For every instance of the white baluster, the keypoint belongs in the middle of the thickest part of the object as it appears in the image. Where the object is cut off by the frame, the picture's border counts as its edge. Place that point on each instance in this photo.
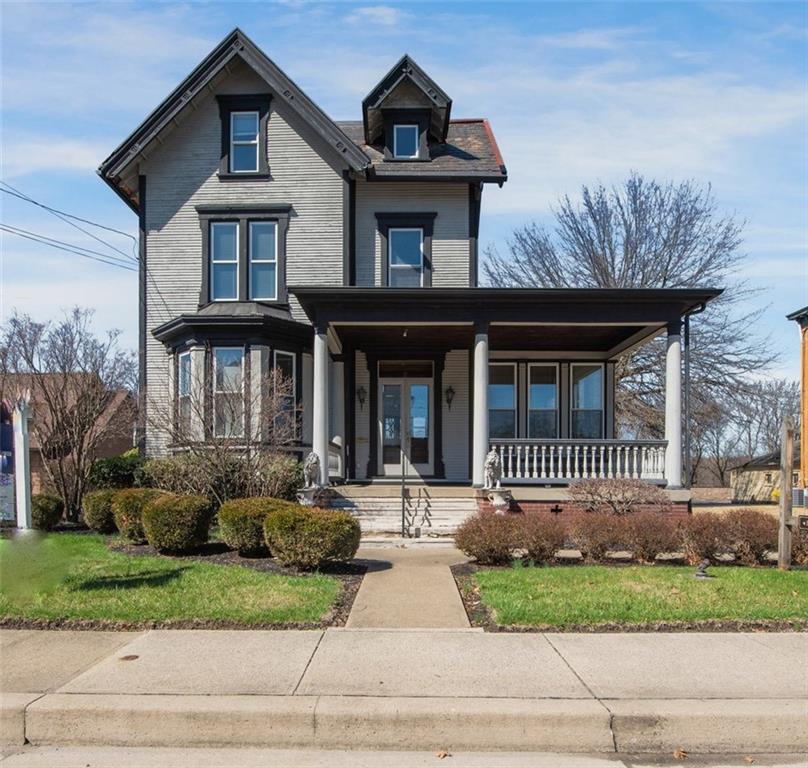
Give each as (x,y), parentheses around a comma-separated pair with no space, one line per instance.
(535,471)
(568,472)
(577,473)
(543,450)
(636,452)
(519,468)
(610,451)
(502,457)
(510,461)
(601,465)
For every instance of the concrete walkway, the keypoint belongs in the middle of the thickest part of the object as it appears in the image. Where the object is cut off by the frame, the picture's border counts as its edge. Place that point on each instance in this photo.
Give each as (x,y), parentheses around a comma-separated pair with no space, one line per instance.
(416,689)
(409,588)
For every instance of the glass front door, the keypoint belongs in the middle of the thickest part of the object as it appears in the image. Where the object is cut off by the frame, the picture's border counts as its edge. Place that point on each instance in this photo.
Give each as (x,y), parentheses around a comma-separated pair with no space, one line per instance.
(405,426)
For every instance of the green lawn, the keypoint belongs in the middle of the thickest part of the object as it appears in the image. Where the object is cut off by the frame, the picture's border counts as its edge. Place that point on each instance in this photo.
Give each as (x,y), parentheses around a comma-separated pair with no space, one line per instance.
(70,576)
(567,596)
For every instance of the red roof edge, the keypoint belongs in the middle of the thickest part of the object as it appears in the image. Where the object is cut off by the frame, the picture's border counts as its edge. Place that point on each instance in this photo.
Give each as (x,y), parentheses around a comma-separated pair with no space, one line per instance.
(495,147)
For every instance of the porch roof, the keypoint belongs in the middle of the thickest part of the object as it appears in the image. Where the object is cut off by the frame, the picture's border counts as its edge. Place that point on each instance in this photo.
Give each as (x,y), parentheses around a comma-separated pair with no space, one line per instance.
(606,321)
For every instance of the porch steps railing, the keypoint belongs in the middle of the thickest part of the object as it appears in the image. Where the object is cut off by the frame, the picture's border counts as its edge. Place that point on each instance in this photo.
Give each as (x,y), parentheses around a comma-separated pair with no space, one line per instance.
(561,461)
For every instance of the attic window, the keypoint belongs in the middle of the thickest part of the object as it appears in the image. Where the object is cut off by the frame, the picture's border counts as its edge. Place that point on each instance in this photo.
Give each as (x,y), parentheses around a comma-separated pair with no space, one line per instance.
(244,122)
(405,141)
(244,135)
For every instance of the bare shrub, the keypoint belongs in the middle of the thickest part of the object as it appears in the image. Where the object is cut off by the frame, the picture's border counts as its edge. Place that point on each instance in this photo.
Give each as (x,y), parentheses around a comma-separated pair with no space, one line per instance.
(648,534)
(618,495)
(540,534)
(702,537)
(596,533)
(799,547)
(751,534)
(487,537)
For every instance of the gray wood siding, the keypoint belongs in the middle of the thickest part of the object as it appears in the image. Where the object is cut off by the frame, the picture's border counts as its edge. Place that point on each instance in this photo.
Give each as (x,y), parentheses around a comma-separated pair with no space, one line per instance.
(183,174)
(450,241)
(456,418)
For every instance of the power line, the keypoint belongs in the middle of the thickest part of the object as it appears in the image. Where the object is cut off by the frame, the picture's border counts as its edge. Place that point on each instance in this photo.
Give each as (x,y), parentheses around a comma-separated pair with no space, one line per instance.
(66,247)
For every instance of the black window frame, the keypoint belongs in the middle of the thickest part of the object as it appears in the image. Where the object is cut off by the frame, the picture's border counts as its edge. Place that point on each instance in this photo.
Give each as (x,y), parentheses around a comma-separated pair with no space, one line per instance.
(419,117)
(425,221)
(243,215)
(260,103)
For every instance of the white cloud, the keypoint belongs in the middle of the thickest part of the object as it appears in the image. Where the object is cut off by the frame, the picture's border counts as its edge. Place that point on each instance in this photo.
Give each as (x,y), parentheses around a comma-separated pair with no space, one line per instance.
(381,15)
(605,39)
(50,154)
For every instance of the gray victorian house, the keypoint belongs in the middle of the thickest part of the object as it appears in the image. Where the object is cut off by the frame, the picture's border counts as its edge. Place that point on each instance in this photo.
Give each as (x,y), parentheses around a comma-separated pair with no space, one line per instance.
(345,254)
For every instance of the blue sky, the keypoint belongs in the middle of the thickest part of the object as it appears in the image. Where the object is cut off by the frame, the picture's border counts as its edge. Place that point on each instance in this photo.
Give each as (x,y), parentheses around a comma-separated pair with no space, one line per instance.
(576,93)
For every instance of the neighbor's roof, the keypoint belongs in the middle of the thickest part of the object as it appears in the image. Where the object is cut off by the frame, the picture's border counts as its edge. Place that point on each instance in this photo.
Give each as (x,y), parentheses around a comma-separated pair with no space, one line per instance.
(470,152)
(801,315)
(769,461)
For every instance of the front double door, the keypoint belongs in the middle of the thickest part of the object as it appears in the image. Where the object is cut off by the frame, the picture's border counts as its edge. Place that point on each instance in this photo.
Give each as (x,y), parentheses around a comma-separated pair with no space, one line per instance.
(405,427)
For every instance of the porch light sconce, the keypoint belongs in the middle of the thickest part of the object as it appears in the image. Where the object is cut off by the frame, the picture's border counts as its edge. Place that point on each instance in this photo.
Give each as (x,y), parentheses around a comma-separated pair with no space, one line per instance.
(361,396)
(450,393)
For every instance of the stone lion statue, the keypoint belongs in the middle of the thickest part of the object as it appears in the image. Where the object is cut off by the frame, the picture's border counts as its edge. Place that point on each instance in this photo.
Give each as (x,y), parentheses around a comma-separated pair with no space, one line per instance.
(311,470)
(493,470)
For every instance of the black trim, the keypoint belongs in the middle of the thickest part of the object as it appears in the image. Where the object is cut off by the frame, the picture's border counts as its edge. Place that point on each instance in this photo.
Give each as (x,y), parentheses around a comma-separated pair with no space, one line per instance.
(422,220)
(243,216)
(348,229)
(475,196)
(349,447)
(250,103)
(142,320)
(414,116)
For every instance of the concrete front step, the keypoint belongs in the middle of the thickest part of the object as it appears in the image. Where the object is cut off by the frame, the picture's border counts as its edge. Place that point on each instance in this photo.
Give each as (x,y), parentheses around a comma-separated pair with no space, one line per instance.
(372,722)
(440,515)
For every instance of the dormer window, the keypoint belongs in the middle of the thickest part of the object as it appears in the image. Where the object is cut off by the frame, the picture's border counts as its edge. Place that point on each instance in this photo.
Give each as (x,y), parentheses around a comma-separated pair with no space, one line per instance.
(244,135)
(405,141)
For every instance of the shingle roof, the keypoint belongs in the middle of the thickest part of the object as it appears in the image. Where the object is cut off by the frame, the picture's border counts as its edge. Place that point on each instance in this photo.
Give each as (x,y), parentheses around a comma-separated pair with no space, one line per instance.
(470,151)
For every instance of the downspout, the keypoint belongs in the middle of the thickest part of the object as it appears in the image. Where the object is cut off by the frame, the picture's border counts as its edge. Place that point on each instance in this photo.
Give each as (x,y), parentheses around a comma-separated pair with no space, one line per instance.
(688,461)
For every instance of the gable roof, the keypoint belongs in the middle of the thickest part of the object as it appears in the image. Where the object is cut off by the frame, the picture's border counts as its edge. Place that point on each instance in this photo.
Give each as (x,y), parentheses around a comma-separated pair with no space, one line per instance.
(236,44)
(406,69)
(470,152)
(769,460)
(800,316)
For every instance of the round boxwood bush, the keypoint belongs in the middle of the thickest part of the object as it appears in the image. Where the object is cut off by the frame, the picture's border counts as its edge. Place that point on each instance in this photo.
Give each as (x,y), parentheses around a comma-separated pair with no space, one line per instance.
(306,537)
(97,509)
(488,537)
(177,523)
(241,522)
(46,511)
(127,511)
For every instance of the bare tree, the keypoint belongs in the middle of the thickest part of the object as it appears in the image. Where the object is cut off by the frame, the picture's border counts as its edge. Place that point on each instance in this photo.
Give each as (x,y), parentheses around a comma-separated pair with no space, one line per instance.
(644,234)
(231,439)
(760,409)
(74,379)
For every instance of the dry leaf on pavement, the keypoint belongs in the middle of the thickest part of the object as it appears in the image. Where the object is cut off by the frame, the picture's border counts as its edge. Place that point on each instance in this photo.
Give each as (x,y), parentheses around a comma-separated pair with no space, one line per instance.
(680,754)
(443,753)
(749,760)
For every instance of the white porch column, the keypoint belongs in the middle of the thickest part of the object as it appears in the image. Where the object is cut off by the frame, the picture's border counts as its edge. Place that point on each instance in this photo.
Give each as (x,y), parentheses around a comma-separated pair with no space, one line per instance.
(319,440)
(673,406)
(480,407)
(22,461)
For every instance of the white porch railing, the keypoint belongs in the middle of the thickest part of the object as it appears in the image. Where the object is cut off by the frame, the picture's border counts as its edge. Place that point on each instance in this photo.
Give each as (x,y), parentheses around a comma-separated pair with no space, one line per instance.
(561,461)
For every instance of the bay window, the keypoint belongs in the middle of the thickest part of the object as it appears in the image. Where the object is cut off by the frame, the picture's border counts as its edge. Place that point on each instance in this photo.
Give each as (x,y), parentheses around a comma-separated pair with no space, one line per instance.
(184,396)
(228,392)
(286,402)
(502,400)
(586,407)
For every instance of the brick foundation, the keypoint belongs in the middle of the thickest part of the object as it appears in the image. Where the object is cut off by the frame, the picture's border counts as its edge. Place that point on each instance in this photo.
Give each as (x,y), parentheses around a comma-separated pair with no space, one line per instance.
(678,509)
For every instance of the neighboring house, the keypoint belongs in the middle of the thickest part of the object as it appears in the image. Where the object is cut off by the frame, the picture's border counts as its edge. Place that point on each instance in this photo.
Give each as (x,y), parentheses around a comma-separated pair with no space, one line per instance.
(346,253)
(758,479)
(117,420)
(801,318)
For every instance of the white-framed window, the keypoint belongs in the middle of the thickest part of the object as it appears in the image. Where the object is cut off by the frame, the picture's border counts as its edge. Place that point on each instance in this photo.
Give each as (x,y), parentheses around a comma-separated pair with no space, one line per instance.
(586,401)
(405,247)
(224,261)
(184,395)
(542,403)
(244,133)
(286,364)
(406,141)
(228,392)
(502,400)
(263,254)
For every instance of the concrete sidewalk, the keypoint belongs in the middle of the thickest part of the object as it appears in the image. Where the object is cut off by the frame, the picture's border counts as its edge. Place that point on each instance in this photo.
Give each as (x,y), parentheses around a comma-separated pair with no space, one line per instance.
(408,689)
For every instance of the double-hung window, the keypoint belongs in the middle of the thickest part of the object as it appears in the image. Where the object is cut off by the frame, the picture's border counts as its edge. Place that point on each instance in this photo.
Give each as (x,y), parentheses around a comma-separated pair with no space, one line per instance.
(405,141)
(502,400)
(406,257)
(228,392)
(263,242)
(286,379)
(244,142)
(586,412)
(542,423)
(224,261)
(184,395)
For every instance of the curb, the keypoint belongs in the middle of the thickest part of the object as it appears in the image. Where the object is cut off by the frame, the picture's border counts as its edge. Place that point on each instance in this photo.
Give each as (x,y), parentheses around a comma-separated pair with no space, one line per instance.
(369,722)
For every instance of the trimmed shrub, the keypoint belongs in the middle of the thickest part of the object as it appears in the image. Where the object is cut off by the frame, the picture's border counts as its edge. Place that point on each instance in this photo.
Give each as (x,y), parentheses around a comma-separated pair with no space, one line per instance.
(751,534)
(177,523)
(702,537)
(648,534)
(116,471)
(596,533)
(97,509)
(487,537)
(241,522)
(127,511)
(799,547)
(540,534)
(46,511)
(279,476)
(619,495)
(306,538)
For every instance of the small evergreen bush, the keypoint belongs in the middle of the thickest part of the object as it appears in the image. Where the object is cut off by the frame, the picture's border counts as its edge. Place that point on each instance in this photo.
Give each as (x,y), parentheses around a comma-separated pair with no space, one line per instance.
(177,523)
(307,538)
(127,511)
(116,471)
(487,537)
(97,509)
(241,522)
(540,534)
(46,511)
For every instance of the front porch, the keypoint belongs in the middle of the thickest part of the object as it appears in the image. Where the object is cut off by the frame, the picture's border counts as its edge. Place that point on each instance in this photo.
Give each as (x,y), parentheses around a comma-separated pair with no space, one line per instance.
(423,383)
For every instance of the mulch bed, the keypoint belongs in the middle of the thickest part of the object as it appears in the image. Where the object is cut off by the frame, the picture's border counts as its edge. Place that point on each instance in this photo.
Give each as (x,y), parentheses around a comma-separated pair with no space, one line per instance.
(480,616)
(349,574)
